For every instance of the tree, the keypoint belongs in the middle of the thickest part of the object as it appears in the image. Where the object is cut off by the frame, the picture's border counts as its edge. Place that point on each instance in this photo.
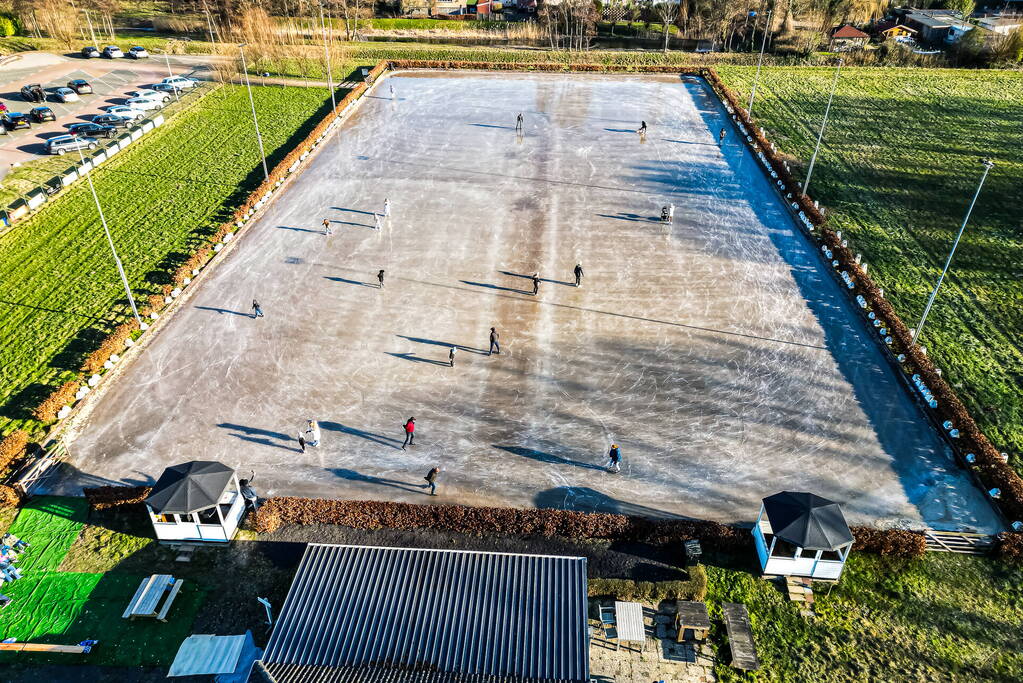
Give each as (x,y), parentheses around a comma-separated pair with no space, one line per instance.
(667,11)
(615,11)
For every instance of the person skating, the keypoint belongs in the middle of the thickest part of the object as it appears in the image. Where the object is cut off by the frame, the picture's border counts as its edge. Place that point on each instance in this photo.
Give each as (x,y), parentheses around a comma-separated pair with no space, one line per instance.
(378,221)
(380,278)
(387,208)
(431,480)
(249,493)
(313,431)
(721,137)
(495,345)
(301,441)
(451,356)
(614,459)
(392,90)
(578,274)
(642,128)
(410,433)
(518,122)
(326,227)
(536,283)
(257,310)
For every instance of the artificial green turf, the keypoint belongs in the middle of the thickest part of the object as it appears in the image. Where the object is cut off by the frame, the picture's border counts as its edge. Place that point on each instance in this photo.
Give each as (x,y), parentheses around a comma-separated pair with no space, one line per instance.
(51,525)
(898,168)
(944,617)
(59,289)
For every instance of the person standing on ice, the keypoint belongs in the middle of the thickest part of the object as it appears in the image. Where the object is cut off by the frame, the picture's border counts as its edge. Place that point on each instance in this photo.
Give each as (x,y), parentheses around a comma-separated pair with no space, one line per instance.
(380,278)
(518,122)
(431,480)
(301,442)
(614,459)
(313,431)
(451,356)
(387,208)
(494,344)
(536,283)
(392,90)
(257,310)
(326,227)
(721,137)
(642,128)
(578,274)
(410,433)
(378,221)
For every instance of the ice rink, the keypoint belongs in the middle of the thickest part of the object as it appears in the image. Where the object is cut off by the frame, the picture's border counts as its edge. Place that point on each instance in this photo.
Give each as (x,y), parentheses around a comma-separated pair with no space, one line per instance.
(718,353)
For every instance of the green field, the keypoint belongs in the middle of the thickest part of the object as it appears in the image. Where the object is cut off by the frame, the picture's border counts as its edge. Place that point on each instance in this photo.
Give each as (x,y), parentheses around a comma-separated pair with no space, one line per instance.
(59,289)
(944,617)
(897,170)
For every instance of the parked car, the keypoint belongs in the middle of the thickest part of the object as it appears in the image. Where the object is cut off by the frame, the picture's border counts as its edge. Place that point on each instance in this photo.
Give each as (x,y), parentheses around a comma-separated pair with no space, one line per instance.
(138,52)
(151,95)
(130,113)
(113,120)
(33,92)
(166,87)
(80,86)
(90,52)
(93,130)
(16,120)
(62,144)
(112,52)
(41,114)
(180,82)
(143,103)
(66,95)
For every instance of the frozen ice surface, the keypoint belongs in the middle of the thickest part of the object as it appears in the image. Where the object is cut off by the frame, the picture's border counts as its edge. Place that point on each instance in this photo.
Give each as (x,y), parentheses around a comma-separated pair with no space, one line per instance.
(718,353)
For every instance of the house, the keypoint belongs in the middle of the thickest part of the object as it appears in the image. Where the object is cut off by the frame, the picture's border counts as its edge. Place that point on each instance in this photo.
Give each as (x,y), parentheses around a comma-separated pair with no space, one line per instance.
(892,30)
(937,26)
(381,615)
(847,38)
(1002,25)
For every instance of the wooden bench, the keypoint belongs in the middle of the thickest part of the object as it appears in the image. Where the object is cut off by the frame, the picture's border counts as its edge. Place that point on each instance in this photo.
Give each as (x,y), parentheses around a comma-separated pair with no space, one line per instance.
(146,602)
(43,647)
(692,616)
(740,637)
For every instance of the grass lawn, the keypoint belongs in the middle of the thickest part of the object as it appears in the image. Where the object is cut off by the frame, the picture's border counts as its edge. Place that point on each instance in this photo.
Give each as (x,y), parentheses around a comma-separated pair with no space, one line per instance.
(59,289)
(945,617)
(897,170)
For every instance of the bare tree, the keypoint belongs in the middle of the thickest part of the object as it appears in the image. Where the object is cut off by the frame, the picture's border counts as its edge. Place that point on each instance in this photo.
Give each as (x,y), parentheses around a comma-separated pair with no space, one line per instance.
(668,12)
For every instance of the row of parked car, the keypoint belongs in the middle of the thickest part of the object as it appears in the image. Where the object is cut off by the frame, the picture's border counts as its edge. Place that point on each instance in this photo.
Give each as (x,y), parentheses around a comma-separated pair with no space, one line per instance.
(85,135)
(114,52)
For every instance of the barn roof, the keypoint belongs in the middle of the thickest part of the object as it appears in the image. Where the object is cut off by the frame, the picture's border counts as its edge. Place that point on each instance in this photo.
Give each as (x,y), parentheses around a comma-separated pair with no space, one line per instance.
(848,31)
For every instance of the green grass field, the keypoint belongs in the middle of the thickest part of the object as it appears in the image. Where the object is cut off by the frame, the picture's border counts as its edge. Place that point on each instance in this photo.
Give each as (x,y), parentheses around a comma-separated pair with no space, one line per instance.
(897,170)
(944,617)
(59,289)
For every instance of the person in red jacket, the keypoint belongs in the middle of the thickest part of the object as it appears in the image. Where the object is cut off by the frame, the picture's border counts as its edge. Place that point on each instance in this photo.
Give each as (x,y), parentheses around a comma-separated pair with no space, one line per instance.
(410,433)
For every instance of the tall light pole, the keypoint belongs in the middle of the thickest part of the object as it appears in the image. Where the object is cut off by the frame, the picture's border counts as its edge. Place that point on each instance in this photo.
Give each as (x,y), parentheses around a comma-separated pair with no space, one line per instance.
(326,59)
(988,165)
(170,73)
(110,241)
(760,62)
(820,135)
(252,103)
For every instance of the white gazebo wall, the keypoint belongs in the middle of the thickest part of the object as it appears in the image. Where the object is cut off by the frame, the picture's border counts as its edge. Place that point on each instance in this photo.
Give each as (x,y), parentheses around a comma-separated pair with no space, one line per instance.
(805,563)
(188,527)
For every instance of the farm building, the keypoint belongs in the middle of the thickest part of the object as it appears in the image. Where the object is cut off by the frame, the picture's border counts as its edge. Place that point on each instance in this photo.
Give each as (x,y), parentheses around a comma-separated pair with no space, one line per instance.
(847,38)
(937,26)
(369,614)
(801,534)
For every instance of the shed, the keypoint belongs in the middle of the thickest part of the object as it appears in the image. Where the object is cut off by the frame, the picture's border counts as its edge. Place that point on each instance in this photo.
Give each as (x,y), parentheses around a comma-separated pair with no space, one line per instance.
(357,613)
(229,658)
(196,501)
(802,534)
(847,38)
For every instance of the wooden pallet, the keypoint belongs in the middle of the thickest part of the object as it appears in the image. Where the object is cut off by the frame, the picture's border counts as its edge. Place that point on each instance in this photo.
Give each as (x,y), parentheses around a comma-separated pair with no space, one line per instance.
(958,542)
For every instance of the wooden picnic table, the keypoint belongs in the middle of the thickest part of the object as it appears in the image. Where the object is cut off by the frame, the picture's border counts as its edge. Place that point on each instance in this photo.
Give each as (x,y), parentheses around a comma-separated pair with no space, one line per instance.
(146,601)
(692,615)
(740,636)
(629,622)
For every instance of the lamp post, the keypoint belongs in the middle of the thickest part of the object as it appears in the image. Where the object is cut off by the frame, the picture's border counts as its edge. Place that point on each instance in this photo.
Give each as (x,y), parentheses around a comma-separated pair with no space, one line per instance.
(166,57)
(252,103)
(110,241)
(820,134)
(760,62)
(988,165)
(326,59)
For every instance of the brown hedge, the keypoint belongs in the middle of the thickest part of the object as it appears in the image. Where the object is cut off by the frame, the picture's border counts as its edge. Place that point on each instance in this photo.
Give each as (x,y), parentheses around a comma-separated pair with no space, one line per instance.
(890,542)
(13,447)
(106,497)
(113,344)
(9,497)
(1009,546)
(693,588)
(51,405)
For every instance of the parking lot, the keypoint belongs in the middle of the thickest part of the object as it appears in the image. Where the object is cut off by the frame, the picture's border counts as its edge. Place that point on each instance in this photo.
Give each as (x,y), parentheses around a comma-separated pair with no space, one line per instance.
(111,80)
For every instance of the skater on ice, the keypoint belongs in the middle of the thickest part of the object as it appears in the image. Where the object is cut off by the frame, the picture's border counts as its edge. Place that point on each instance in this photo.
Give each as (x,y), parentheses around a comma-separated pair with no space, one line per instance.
(668,214)
(392,91)
(536,283)
(578,271)
(518,122)
(313,431)
(326,227)
(642,128)
(410,433)
(495,346)
(387,208)
(614,459)
(380,278)
(721,137)
(257,310)
(378,221)
(301,442)
(431,480)
(451,356)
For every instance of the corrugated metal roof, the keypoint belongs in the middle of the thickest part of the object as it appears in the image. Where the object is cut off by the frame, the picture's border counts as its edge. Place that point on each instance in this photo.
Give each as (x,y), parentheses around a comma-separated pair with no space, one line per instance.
(302,673)
(490,614)
(206,654)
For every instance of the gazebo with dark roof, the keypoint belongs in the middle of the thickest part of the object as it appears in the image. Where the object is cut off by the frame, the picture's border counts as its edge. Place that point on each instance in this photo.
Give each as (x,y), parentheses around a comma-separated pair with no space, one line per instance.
(802,534)
(196,501)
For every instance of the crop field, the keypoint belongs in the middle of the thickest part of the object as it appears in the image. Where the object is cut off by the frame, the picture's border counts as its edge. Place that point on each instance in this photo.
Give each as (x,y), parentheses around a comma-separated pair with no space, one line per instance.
(59,289)
(897,170)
